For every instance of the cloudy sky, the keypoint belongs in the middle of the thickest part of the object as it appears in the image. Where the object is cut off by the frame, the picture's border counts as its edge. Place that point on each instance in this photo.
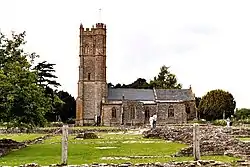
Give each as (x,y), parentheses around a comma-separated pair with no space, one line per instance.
(206,43)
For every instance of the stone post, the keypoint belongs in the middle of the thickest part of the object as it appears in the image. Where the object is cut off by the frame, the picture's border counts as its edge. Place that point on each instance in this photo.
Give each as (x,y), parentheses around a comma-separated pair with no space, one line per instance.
(64,144)
(196,142)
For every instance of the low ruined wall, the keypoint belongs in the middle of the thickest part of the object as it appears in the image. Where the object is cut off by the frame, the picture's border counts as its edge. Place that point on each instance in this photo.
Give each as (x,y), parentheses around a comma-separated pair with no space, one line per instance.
(6,145)
(203,163)
(213,140)
(58,130)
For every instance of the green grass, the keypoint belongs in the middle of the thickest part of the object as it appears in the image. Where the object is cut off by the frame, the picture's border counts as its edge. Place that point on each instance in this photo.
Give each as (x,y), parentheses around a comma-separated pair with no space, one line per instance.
(20,137)
(244,139)
(86,151)
(87,127)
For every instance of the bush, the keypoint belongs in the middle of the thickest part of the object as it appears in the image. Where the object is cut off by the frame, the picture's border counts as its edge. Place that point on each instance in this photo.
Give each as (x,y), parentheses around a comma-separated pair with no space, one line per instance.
(70,121)
(201,121)
(244,121)
(55,124)
(220,122)
(242,113)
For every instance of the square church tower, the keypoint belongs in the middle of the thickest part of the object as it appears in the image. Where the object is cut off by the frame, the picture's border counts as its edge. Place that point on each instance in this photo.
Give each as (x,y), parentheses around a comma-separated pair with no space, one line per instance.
(92,86)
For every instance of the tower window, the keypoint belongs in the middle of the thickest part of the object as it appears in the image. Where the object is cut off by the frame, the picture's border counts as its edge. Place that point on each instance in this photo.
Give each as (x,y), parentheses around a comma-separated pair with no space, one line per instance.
(88,76)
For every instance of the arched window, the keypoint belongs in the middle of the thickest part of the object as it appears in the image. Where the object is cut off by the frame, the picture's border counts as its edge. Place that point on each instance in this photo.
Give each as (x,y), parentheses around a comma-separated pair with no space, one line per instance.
(187,109)
(132,112)
(171,111)
(113,112)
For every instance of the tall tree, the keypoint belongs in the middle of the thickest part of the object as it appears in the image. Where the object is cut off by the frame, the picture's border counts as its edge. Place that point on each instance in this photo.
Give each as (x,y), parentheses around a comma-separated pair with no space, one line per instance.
(165,80)
(215,103)
(46,79)
(67,111)
(23,102)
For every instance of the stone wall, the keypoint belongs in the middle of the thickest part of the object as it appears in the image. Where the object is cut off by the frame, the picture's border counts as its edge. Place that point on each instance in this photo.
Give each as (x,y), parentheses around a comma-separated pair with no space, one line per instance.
(6,145)
(204,163)
(92,73)
(107,119)
(141,118)
(192,114)
(180,115)
(213,140)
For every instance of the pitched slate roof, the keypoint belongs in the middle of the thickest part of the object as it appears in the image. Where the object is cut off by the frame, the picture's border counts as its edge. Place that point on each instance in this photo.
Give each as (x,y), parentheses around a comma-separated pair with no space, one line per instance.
(150,95)
(174,94)
(131,94)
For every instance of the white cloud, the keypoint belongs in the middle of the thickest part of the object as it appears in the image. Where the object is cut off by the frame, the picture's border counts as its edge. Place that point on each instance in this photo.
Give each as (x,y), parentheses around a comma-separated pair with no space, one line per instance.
(205,42)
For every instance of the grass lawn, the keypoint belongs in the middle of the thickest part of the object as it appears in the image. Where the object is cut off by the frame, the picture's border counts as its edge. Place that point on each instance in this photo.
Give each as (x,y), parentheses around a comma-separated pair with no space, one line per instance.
(101,150)
(247,139)
(20,137)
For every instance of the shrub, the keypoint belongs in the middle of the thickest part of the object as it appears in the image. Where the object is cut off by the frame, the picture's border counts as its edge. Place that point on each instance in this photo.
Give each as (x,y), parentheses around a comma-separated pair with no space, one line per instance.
(220,122)
(244,121)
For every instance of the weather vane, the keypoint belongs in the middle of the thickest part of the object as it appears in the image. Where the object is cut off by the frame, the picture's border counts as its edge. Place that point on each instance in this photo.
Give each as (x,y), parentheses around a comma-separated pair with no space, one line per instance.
(100,15)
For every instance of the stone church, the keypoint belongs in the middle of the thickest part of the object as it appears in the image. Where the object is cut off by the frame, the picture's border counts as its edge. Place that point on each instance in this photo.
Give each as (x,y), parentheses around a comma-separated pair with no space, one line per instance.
(122,106)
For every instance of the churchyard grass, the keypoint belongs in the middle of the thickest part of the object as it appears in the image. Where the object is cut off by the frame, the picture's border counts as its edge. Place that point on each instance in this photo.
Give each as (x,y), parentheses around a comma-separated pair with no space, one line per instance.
(245,139)
(96,150)
(20,136)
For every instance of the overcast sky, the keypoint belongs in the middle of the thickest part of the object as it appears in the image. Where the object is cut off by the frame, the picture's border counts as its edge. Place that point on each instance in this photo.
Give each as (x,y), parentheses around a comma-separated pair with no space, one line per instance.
(206,43)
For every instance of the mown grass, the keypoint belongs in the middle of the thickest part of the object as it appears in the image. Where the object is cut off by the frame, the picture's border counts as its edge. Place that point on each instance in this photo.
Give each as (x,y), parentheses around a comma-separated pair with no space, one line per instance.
(244,139)
(20,137)
(86,151)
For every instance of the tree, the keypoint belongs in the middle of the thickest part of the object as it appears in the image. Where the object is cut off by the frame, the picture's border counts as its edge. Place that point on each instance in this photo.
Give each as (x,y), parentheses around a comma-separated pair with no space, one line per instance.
(45,74)
(46,79)
(23,102)
(66,111)
(140,83)
(165,80)
(110,85)
(215,103)
(197,102)
(243,113)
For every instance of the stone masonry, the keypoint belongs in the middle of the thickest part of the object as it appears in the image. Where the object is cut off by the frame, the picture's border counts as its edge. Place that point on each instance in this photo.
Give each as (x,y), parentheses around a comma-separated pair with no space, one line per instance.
(116,107)
(92,73)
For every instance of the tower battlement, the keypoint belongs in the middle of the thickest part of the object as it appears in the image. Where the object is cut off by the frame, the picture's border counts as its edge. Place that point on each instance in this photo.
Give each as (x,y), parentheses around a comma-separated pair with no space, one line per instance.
(94,27)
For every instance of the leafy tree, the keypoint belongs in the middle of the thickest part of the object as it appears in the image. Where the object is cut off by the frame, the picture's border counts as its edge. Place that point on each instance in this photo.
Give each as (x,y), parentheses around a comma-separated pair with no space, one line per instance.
(243,113)
(22,101)
(46,78)
(197,101)
(67,111)
(165,80)
(110,85)
(140,83)
(215,103)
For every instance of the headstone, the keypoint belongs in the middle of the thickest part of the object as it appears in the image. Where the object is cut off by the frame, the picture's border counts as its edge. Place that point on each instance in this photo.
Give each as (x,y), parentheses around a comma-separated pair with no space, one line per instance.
(196,142)
(64,144)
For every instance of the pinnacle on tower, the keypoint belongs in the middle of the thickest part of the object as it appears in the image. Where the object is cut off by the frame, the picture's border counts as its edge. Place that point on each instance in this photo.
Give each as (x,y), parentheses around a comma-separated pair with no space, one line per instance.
(81,26)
